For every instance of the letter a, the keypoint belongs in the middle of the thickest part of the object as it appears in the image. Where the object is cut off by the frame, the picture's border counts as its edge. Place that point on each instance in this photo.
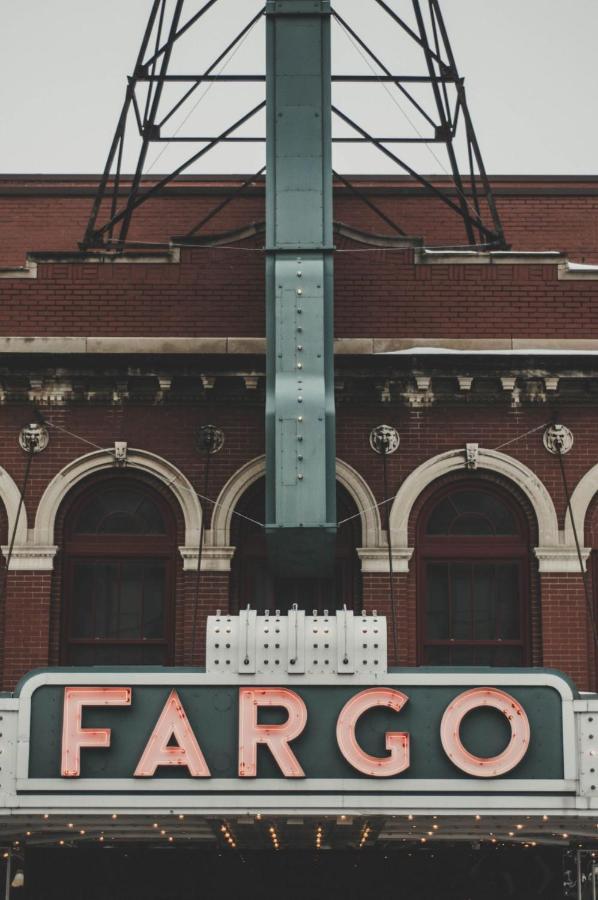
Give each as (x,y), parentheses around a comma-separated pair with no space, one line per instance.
(173,722)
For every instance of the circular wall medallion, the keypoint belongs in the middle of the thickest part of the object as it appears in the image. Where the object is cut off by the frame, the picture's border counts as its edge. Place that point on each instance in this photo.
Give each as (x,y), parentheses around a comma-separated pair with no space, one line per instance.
(34,438)
(384,439)
(211,439)
(558,439)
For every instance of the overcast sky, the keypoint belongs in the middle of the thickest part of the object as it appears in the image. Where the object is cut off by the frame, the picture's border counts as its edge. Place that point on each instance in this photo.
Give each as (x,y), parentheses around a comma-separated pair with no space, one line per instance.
(530,66)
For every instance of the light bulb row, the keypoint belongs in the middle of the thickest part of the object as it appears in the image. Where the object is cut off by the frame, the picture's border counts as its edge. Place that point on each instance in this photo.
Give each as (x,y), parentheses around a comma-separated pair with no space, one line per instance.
(228,835)
(365,833)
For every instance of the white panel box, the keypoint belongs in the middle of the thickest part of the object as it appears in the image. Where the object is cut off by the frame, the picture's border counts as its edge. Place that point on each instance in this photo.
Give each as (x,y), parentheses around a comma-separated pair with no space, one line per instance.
(297,643)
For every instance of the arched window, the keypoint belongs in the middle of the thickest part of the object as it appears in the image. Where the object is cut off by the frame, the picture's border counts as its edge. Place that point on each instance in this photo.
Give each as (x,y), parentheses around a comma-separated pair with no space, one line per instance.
(119,566)
(253,583)
(473,550)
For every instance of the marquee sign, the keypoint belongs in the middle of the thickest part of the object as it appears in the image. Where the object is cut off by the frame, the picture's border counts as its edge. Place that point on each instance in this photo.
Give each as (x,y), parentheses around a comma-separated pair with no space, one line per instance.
(298,713)
(187,732)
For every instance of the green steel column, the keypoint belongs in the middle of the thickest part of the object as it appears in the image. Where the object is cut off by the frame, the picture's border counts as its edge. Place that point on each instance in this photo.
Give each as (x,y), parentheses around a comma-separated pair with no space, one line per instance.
(300,417)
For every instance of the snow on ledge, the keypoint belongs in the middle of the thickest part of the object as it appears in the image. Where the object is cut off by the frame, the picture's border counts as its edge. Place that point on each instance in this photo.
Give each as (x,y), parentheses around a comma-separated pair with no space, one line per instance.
(520,351)
(490,257)
(572,271)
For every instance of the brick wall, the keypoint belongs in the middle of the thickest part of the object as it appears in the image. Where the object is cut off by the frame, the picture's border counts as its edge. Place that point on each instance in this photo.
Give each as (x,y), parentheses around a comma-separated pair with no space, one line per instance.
(559,622)
(549,215)
(25,625)
(220,292)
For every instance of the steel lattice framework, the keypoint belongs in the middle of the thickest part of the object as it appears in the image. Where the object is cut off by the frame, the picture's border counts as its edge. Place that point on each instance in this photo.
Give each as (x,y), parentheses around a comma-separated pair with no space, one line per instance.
(146,114)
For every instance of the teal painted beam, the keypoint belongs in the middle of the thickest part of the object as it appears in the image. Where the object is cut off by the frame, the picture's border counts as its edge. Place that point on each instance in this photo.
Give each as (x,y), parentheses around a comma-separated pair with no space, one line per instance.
(300,414)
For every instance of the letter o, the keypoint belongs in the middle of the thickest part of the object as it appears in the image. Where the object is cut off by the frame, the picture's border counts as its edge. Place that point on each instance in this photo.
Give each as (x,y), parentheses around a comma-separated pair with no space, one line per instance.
(481,766)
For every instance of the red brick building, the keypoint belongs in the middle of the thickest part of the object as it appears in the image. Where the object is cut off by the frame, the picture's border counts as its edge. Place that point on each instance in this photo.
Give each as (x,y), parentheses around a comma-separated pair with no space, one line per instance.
(450,348)
(471,356)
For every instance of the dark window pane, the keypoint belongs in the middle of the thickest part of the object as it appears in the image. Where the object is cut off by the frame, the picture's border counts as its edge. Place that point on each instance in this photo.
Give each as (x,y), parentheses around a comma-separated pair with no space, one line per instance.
(461,612)
(437,656)
(119,522)
(129,655)
(484,590)
(463,656)
(472,524)
(471,512)
(106,576)
(441,517)
(154,655)
(508,656)
(473,601)
(120,511)
(508,602)
(252,583)
(131,600)
(82,601)
(118,655)
(437,602)
(89,516)
(118,600)
(151,516)
(81,655)
(153,600)
(484,656)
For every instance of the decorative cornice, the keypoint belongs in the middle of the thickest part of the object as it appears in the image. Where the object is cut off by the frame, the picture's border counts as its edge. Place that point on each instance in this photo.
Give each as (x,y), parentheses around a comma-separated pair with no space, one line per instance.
(561,559)
(374,560)
(30,558)
(213,559)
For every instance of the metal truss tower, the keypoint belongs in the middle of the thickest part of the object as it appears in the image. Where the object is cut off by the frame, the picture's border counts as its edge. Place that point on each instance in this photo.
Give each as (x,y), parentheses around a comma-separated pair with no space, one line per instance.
(147,116)
(300,118)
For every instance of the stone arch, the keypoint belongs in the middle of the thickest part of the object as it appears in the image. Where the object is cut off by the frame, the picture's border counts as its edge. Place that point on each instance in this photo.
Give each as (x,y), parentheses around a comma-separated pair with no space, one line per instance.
(372,536)
(10,497)
(581,498)
(549,550)
(138,460)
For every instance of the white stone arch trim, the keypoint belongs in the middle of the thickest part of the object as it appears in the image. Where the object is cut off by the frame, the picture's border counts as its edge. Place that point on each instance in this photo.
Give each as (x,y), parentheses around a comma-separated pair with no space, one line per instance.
(373,538)
(102,460)
(10,497)
(553,556)
(581,498)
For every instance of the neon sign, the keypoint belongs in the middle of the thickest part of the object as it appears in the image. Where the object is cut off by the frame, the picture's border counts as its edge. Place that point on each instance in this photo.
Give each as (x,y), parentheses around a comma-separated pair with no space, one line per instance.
(173,742)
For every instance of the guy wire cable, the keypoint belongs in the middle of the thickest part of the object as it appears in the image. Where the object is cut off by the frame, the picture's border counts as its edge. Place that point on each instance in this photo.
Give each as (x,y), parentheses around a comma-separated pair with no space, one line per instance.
(207,446)
(390,566)
(585,575)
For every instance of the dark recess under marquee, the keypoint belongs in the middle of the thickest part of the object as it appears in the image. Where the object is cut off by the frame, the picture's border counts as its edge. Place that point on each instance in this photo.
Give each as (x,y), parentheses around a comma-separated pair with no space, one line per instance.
(446,872)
